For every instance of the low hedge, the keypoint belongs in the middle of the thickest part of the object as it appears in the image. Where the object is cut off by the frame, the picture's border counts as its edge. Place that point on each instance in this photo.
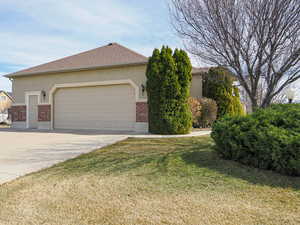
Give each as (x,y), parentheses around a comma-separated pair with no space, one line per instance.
(267,139)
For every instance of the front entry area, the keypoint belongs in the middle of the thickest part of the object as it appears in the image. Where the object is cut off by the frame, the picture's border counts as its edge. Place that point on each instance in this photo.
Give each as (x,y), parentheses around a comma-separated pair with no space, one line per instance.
(108,107)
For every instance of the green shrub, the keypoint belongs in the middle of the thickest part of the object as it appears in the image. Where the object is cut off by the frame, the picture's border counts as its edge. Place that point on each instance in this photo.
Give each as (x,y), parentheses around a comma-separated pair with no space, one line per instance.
(238,107)
(218,85)
(168,88)
(208,115)
(267,139)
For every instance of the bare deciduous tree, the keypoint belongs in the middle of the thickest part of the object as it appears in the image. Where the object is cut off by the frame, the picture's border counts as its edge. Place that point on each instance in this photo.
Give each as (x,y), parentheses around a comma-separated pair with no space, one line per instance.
(5,105)
(259,40)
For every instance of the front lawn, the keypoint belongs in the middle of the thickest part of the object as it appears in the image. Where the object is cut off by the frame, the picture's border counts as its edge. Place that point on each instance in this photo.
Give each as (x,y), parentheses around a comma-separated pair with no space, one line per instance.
(146,181)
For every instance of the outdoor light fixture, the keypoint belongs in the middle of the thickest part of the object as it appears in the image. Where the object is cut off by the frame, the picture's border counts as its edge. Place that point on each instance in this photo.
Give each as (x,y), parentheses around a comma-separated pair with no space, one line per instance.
(143,88)
(290,94)
(43,94)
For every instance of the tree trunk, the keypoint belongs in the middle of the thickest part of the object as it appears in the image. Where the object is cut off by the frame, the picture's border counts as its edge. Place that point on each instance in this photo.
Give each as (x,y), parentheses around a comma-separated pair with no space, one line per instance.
(267,102)
(254,104)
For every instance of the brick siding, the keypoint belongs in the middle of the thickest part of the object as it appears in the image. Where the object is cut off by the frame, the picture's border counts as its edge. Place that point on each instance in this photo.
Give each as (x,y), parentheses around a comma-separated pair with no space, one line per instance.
(44,113)
(142,112)
(18,113)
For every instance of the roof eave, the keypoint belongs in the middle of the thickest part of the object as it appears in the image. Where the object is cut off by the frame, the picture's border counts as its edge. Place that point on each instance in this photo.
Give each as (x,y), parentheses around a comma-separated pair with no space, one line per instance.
(12,75)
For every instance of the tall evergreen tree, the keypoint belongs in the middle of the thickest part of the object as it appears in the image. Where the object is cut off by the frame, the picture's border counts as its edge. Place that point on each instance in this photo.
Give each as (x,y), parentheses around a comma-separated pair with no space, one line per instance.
(153,89)
(218,85)
(168,83)
(184,73)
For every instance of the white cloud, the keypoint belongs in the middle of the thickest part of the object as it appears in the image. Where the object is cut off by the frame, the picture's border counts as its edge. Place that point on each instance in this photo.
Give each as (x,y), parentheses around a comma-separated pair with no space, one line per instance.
(49,30)
(28,50)
(4,83)
(104,18)
(54,29)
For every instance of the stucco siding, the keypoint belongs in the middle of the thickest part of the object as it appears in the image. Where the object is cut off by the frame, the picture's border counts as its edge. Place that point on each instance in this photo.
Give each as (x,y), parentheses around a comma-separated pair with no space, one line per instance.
(196,88)
(46,82)
(44,125)
(18,125)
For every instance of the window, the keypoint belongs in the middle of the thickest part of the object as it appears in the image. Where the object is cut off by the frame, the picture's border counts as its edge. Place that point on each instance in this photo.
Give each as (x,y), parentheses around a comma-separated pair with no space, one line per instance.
(3,98)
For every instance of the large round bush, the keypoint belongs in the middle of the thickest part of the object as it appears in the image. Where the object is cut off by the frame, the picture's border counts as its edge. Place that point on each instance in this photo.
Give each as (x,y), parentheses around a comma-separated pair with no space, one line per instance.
(267,139)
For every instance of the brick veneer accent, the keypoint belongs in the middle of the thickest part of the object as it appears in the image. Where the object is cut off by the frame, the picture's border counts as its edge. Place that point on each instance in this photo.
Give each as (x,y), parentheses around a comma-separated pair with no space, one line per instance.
(142,112)
(18,113)
(44,113)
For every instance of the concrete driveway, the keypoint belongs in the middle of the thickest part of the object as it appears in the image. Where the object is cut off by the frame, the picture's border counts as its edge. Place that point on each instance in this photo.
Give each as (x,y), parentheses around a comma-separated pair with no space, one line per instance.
(23,152)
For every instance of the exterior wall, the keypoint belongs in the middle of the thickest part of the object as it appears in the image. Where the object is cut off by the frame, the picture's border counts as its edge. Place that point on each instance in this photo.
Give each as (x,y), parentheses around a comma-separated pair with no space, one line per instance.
(142,127)
(141,117)
(141,112)
(44,113)
(18,116)
(45,83)
(18,113)
(44,125)
(18,125)
(196,88)
(23,84)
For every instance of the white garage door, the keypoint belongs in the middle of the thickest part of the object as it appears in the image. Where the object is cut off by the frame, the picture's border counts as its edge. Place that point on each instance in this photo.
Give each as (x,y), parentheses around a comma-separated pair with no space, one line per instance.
(100,108)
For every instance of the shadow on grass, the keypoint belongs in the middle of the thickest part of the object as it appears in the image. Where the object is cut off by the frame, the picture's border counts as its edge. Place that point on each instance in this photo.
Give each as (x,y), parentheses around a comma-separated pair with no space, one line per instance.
(210,160)
(177,159)
(127,156)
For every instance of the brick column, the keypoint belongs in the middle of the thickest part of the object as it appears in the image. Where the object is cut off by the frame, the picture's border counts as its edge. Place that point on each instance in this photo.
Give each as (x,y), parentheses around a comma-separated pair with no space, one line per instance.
(142,112)
(44,113)
(18,113)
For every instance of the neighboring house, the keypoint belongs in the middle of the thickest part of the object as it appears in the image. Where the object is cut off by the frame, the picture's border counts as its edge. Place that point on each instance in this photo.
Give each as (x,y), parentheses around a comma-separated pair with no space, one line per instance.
(6,101)
(101,89)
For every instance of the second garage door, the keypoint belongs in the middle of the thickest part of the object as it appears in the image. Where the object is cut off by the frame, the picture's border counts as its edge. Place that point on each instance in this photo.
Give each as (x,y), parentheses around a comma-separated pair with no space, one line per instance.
(100,108)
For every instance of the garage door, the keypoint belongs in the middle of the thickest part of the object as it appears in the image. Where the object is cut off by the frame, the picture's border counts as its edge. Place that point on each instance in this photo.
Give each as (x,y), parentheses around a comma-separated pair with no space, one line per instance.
(100,108)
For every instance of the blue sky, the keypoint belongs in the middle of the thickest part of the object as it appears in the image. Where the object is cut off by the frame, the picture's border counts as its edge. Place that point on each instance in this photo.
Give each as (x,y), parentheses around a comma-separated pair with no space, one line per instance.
(37,31)
(33,32)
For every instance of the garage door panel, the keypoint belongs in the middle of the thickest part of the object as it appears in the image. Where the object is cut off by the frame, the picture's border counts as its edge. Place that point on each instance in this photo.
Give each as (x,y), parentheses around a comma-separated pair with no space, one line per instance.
(101,108)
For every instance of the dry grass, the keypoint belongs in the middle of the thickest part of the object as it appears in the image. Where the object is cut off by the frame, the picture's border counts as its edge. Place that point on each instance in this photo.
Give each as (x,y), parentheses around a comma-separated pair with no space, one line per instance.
(169,181)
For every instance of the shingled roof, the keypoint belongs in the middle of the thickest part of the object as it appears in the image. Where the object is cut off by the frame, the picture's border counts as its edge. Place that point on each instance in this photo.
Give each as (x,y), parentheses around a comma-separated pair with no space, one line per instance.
(110,55)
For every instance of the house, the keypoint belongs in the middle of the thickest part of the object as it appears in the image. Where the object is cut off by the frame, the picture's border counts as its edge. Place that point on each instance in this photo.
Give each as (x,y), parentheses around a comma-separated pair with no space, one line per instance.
(101,89)
(5,103)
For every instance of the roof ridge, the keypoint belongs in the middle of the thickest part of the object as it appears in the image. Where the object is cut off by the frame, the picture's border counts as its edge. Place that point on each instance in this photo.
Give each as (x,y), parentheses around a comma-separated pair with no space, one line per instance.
(115,43)
(79,54)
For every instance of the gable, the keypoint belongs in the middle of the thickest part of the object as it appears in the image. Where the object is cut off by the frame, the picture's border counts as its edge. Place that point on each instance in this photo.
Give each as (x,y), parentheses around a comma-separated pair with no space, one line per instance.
(107,56)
